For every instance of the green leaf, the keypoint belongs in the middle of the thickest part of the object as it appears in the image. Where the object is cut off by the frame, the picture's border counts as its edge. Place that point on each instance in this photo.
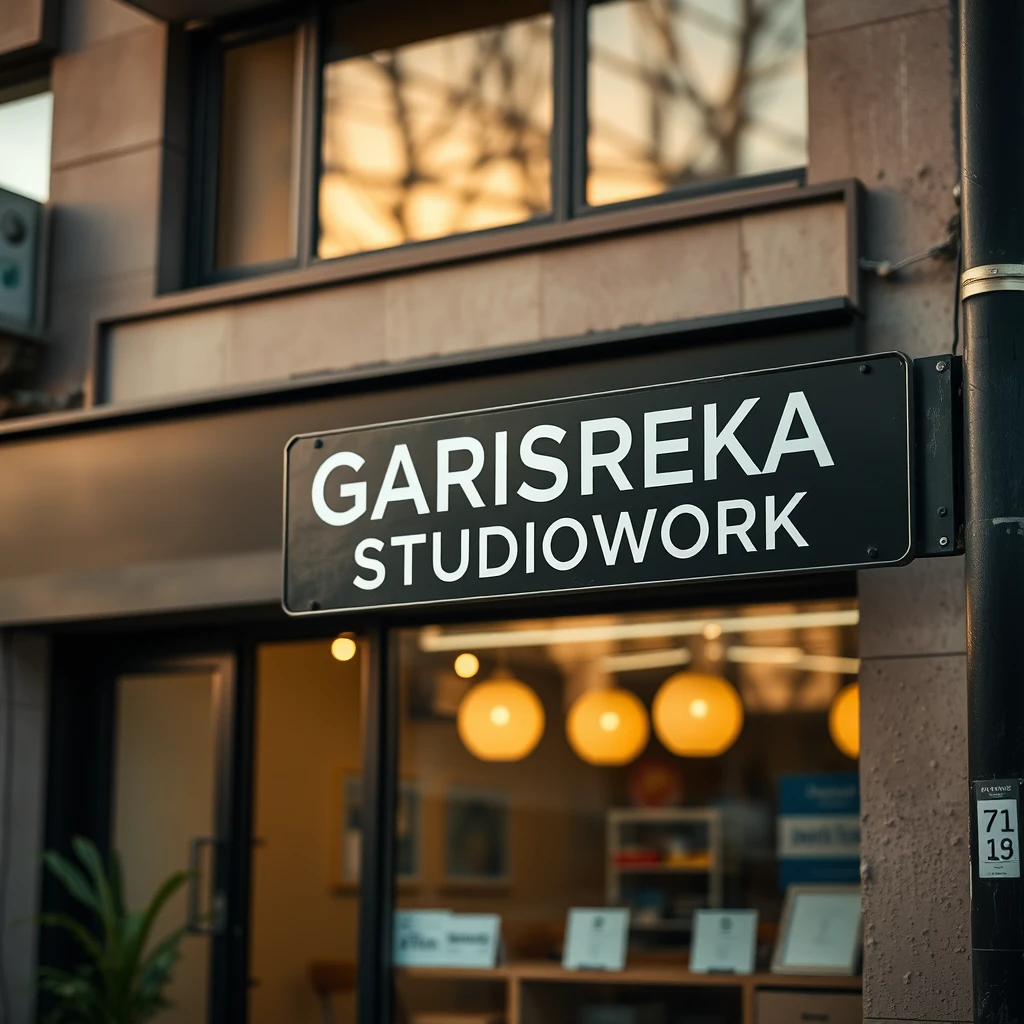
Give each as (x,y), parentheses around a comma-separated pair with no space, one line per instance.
(83,936)
(133,953)
(85,850)
(72,879)
(116,875)
(115,984)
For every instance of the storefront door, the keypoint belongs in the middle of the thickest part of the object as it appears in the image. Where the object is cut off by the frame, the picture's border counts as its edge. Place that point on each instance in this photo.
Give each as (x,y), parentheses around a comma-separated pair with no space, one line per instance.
(169,811)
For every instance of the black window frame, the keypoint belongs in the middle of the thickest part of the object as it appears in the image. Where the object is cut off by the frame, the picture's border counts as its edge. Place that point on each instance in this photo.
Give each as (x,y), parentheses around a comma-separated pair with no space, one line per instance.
(568,143)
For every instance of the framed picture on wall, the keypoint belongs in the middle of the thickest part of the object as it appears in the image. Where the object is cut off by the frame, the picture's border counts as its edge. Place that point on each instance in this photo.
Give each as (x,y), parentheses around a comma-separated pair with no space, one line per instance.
(347,831)
(476,837)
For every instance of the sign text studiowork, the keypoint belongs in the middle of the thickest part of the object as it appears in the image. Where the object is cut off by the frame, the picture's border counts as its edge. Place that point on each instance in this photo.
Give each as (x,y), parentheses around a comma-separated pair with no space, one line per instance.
(794,469)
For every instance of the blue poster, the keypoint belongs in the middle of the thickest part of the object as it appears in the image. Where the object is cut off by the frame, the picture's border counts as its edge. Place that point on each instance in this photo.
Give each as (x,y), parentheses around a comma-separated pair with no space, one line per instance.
(819,829)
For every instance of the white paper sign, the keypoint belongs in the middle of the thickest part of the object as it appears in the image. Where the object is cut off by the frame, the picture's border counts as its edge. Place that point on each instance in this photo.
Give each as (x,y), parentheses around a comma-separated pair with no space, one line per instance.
(823,931)
(998,830)
(724,940)
(439,938)
(596,939)
(421,938)
(473,939)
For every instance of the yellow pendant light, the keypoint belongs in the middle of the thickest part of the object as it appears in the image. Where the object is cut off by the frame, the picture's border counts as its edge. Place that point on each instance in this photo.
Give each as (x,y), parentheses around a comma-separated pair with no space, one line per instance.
(608,726)
(343,647)
(467,665)
(844,720)
(697,715)
(501,719)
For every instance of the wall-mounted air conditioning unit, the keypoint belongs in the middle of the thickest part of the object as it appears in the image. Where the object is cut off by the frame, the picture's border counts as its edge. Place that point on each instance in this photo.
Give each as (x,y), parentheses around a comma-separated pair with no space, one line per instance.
(21,264)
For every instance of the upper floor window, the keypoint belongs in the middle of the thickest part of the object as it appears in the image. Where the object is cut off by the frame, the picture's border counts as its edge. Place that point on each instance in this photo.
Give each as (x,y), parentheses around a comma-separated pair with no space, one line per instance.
(680,93)
(378,123)
(436,121)
(26,115)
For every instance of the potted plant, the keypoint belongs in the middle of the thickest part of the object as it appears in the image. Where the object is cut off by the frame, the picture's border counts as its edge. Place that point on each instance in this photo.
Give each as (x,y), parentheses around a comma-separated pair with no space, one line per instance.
(119,979)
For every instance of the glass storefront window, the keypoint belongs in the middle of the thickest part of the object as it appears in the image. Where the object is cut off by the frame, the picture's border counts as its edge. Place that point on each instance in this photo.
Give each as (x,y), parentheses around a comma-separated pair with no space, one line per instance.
(436,121)
(639,761)
(680,94)
(307,832)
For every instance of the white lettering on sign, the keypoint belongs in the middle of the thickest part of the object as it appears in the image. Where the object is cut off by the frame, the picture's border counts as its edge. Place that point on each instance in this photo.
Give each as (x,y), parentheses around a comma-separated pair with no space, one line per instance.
(656,448)
(591,460)
(794,469)
(401,462)
(797,405)
(998,838)
(624,528)
(448,477)
(355,491)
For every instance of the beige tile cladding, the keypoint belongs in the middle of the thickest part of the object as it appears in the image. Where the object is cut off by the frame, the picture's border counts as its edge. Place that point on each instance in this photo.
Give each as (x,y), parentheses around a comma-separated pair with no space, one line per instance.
(794,255)
(155,358)
(105,217)
(677,273)
(86,22)
(95,112)
(20,24)
(478,305)
(671,274)
(306,333)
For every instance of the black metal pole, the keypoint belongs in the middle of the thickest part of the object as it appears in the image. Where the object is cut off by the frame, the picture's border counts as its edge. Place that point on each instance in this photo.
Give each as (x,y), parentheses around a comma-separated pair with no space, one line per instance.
(992,130)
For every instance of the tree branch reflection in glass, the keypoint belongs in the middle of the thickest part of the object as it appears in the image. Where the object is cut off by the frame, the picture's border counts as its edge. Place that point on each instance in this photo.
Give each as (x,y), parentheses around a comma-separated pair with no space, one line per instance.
(686,91)
(429,137)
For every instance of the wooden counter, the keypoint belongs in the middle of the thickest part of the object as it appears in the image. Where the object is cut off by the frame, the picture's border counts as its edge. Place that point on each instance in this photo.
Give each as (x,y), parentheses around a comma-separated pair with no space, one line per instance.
(525,981)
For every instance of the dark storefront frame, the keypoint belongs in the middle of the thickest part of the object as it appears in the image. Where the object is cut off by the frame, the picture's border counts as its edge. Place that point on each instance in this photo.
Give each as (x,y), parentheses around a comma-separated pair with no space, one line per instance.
(89,654)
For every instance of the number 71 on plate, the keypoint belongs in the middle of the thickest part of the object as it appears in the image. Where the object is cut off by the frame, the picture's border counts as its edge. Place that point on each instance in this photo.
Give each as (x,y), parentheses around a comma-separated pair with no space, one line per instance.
(998,850)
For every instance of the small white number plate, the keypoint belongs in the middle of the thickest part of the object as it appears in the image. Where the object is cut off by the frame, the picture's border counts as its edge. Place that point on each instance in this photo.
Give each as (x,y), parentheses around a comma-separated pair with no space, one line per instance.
(998,828)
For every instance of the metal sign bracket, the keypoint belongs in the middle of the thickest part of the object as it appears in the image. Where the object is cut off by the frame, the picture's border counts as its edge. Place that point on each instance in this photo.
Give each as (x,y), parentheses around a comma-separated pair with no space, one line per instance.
(938,434)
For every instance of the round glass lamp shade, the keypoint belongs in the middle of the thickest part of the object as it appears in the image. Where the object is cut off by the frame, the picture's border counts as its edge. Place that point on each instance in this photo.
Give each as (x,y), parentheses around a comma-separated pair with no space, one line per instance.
(697,715)
(844,720)
(608,726)
(343,648)
(501,719)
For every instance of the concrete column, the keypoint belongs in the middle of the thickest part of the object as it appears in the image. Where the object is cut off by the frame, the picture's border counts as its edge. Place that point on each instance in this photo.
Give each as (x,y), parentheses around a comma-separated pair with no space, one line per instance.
(111,156)
(881,88)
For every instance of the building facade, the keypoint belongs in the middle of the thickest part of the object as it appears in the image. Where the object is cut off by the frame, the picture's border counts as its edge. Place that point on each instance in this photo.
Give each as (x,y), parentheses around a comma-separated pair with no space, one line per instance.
(261,221)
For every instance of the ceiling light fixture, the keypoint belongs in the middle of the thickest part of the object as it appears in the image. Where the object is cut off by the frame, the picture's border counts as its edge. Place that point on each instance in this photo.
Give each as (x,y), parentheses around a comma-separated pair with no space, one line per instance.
(697,715)
(608,727)
(844,720)
(343,648)
(793,657)
(501,719)
(467,665)
(636,661)
(436,640)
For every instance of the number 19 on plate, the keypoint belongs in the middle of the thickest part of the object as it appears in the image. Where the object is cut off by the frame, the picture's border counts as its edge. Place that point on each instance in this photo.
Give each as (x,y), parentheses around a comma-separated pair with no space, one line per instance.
(998,832)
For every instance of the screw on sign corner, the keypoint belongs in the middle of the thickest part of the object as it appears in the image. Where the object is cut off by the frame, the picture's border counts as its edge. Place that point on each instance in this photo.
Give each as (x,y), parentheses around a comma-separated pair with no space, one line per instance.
(864,368)
(318,443)
(872,552)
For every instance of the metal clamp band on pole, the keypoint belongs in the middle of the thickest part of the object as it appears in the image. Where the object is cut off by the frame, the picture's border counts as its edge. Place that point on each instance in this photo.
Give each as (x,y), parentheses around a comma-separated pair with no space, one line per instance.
(993,277)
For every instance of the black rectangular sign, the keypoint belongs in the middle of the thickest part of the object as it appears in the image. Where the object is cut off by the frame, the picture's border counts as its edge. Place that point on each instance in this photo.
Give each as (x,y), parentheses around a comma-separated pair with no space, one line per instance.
(796,469)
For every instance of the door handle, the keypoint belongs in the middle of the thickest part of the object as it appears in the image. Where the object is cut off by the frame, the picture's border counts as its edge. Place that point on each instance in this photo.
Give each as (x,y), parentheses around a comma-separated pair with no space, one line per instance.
(196,922)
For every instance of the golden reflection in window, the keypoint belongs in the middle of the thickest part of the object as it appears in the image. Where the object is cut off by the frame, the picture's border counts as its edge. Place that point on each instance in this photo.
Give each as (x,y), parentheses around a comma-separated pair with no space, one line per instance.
(436,137)
(684,91)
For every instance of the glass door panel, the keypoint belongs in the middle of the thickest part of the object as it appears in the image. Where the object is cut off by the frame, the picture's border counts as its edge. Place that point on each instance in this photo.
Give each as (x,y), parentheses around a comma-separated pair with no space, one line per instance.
(308,831)
(165,811)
